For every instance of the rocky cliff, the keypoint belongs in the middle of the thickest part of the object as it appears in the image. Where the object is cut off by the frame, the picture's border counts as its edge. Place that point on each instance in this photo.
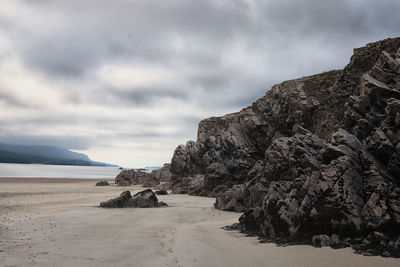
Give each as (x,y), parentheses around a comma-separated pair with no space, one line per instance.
(316,159)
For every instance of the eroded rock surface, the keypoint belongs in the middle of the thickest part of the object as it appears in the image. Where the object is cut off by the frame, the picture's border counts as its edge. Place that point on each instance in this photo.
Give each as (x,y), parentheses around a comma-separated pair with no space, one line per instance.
(316,159)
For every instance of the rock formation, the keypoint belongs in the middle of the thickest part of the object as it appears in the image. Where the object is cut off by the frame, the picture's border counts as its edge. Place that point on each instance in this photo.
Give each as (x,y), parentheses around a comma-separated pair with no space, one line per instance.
(316,159)
(161,192)
(132,176)
(139,176)
(102,183)
(143,199)
(163,186)
(163,174)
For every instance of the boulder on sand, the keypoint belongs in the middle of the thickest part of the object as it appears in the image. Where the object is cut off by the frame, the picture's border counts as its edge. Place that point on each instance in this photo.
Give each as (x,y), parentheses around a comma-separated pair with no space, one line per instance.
(142,199)
(102,183)
(161,192)
(124,200)
(145,199)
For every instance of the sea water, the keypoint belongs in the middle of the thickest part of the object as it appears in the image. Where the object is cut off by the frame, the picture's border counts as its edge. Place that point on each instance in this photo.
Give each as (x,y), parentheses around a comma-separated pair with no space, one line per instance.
(56,171)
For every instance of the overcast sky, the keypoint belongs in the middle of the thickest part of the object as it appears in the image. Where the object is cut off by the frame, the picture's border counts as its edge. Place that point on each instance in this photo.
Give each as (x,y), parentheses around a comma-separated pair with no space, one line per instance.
(127,81)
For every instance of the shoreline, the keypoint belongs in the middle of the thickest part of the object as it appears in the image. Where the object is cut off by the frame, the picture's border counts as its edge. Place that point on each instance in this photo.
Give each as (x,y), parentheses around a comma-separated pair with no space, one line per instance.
(32,171)
(53,221)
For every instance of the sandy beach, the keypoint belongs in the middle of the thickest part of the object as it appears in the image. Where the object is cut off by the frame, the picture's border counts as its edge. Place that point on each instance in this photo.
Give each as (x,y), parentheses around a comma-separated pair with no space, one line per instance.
(57,222)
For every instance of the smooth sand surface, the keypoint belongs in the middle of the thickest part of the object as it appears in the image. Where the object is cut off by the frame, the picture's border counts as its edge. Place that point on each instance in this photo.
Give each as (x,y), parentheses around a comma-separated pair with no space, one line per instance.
(57,222)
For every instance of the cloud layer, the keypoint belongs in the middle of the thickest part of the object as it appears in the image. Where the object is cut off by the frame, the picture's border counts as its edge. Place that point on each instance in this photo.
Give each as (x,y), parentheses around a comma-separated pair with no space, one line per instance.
(127,81)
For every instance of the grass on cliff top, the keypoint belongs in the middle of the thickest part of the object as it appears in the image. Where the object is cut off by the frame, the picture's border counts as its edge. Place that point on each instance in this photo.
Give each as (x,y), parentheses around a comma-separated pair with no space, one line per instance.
(319,84)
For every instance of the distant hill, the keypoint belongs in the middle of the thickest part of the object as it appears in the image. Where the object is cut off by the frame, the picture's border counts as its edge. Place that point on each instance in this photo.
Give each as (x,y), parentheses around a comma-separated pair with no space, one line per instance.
(10,153)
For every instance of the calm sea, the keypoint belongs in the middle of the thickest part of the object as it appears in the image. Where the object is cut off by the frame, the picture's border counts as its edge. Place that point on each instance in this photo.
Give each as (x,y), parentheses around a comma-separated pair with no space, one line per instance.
(56,171)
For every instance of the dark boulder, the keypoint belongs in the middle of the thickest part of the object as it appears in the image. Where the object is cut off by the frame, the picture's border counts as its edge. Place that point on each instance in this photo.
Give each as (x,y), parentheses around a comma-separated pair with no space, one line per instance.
(102,183)
(162,204)
(321,241)
(161,192)
(143,199)
(123,201)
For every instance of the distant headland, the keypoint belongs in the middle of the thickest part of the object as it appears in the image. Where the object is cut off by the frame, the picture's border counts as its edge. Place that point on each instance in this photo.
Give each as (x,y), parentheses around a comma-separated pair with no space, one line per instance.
(28,154)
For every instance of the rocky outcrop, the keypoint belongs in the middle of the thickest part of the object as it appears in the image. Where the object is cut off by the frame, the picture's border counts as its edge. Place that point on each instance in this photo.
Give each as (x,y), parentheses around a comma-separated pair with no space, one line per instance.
(134,177)
(140,176)
(163,186)
(163,174)
(124,178)
(102,183)
(316,159)
(143,199)
(229,148)
(151,182)
(189,185)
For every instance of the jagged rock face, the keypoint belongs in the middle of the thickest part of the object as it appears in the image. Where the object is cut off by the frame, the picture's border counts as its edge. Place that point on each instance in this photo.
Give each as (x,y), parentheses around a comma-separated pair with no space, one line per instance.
(315,156)
(373,115)
(229,147)
(234,199)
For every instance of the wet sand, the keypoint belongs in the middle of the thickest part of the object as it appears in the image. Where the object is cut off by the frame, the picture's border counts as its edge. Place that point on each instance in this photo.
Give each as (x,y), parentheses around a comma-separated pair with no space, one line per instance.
(57,222)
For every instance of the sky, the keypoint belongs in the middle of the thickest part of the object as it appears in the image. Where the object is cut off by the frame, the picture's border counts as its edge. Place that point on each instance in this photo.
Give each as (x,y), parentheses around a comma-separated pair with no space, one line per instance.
(126,82)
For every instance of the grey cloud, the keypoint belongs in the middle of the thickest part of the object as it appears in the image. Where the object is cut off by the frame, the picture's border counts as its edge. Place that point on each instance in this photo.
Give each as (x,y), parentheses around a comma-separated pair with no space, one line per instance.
(140,135)
(45,120)
(191,119)
(146,96)
(11,100)
(210,81)
(93,32)
(57,67)
(60,56)
(134,97)
(226,54)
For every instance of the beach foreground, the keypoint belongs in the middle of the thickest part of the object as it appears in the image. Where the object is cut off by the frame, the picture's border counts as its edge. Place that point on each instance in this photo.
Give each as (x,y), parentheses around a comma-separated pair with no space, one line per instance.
(57,222)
